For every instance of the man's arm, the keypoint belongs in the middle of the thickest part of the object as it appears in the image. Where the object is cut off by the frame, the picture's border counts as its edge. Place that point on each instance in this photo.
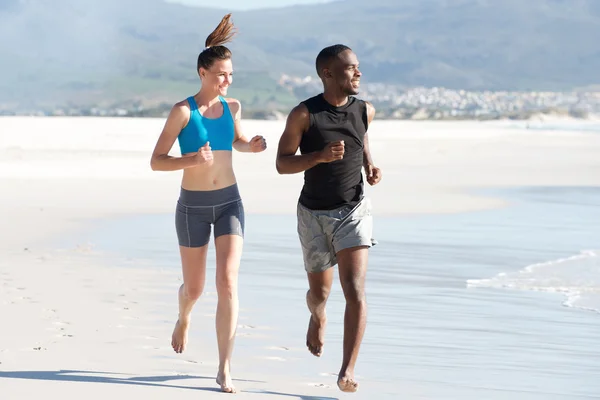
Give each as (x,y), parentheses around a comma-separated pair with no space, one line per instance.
(287,161)
(373,173)
(367,159)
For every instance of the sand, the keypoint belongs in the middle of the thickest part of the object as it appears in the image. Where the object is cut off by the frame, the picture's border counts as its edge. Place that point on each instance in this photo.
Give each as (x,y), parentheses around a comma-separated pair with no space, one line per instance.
(68,317)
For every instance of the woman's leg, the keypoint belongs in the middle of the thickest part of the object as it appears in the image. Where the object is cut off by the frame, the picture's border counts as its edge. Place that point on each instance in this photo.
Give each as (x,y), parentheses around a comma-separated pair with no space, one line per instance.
(229,251)
(193,233)
(193,261)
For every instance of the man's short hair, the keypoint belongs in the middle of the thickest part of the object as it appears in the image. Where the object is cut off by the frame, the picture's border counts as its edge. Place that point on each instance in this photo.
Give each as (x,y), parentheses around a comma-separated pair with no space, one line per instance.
(326,55)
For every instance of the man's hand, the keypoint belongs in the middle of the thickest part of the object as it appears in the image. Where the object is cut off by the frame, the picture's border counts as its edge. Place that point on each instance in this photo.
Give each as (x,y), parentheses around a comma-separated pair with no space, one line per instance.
(204,154)
(258,144)
(332,152)
(373,174)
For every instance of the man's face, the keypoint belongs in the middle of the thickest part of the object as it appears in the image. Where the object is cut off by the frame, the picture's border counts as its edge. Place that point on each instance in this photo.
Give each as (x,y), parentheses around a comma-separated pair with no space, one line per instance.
(345,73)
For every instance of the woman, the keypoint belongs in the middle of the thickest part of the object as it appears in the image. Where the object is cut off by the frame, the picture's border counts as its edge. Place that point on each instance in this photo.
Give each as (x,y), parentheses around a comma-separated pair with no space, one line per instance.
(207,127)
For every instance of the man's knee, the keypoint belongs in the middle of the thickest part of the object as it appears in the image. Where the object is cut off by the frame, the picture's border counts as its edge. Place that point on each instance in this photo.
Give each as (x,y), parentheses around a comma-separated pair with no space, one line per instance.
(320,294)
(354,290)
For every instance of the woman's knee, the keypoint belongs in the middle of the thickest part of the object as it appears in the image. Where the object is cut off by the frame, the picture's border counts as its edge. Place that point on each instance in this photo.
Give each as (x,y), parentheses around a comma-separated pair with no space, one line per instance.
(227,283)
(193,291)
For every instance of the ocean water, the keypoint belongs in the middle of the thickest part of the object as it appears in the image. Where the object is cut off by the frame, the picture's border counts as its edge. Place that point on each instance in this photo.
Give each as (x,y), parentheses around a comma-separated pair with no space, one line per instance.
(578,277)
(557,125)
(492,304)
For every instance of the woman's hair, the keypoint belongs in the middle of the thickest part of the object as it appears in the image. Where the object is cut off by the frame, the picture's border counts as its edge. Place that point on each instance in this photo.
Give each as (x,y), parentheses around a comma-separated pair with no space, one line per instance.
(215,49)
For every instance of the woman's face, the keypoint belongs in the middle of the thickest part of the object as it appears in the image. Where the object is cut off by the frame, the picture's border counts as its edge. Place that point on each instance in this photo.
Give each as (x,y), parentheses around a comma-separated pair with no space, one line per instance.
(218,77)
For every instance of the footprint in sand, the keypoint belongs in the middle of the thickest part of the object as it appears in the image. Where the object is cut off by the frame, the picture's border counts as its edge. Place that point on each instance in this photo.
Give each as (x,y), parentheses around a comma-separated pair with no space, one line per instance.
(328,374)
(278,348)
(146,347)
(321,385)
(274,358)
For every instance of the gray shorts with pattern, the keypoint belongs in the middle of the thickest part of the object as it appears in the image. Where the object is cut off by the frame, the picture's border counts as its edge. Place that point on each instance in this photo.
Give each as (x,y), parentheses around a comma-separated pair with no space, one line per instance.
(323,233)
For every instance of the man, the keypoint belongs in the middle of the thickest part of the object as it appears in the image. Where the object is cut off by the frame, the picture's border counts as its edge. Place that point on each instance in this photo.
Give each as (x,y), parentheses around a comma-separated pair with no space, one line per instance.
(334,217)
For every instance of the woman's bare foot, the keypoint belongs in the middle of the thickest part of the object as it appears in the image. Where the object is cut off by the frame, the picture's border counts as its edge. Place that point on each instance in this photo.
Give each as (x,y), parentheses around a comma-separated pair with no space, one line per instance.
(347,383)
(226,383)
(180,335)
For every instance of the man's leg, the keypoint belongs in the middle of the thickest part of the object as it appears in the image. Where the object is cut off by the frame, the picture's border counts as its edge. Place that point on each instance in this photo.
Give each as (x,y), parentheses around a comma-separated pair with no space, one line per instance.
(318,263)
(352,265)
(316,298)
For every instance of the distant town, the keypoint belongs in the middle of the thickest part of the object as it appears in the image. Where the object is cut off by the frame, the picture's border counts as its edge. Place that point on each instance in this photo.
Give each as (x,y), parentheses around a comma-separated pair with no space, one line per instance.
(391,102)
(395,102)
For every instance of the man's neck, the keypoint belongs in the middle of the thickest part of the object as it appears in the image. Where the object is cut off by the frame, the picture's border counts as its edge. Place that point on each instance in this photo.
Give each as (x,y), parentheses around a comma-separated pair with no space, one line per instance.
(335,99)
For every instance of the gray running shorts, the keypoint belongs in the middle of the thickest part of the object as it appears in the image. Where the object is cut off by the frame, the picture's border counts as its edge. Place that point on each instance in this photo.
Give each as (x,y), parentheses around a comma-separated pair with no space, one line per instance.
(198,211)
(323,233)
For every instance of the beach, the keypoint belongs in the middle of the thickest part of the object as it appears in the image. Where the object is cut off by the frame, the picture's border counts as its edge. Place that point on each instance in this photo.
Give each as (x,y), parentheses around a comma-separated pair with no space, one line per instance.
(483,284)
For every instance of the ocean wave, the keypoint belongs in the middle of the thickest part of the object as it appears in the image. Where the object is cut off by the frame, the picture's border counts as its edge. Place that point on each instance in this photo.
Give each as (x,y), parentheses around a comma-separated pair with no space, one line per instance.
(577,277)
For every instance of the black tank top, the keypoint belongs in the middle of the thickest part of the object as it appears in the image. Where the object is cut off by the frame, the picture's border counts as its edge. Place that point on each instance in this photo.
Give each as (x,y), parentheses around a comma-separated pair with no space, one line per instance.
(332,185)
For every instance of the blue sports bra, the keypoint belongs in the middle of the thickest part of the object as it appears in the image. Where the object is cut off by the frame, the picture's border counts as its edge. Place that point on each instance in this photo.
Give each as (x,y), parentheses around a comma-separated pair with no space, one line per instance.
(218,131)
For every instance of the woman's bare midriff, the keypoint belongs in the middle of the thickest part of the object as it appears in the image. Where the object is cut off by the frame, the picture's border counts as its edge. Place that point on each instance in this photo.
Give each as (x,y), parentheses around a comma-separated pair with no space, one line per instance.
(215,175)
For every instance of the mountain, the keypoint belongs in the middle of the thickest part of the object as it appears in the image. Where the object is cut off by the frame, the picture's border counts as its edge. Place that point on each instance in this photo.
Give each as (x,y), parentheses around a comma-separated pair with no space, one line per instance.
(78,51)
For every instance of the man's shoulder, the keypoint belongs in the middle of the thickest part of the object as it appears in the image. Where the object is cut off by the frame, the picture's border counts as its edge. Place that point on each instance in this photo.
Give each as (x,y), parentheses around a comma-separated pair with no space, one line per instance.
(300,116)
(313,104)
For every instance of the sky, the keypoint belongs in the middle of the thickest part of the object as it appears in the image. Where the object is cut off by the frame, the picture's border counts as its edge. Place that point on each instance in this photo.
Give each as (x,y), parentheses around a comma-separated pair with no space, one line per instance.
(245,4)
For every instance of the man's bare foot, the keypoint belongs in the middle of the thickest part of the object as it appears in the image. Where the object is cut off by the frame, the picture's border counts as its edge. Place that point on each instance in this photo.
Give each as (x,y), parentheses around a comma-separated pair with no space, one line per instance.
(315,336)
(347,383)
(180,335)
(226,383)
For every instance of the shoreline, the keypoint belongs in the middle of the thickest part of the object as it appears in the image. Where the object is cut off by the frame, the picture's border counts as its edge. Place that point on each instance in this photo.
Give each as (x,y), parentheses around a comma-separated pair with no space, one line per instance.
(133,317)
(99,326)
